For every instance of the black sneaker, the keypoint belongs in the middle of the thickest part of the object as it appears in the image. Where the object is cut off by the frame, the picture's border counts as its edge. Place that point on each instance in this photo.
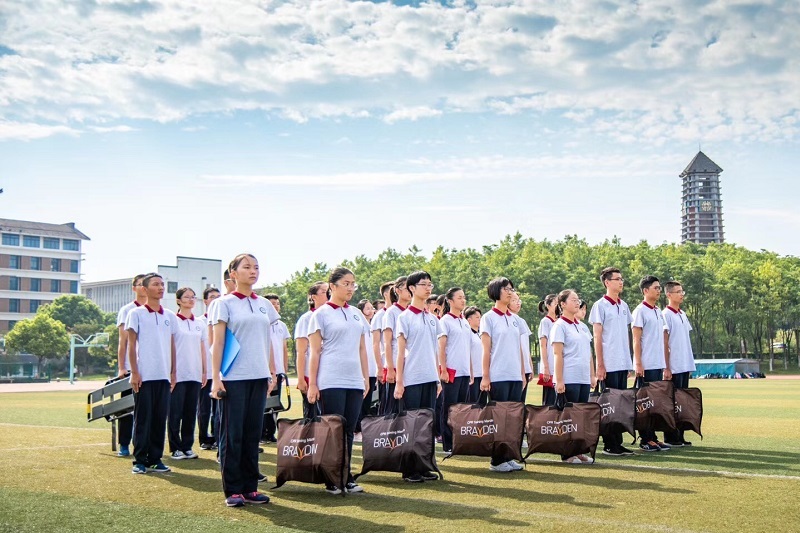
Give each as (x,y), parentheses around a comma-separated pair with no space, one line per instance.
(333,489)
(270,439)
(664,447)
(260,449)
(686,443)
(262,478)
(675,444)
(429,476)
(416,478)
(650,446)
(613,451)
(352,486)
(206,446)
(626,451)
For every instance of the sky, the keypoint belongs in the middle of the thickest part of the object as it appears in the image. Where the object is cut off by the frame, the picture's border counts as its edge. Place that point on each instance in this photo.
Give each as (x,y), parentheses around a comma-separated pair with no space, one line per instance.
(313,131)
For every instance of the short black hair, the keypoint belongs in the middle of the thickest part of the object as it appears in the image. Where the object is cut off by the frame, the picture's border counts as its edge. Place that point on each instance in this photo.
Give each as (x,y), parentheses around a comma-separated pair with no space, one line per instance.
(432,299)
(416,277)
(496,286)
(471,310)
(136,279)
(338,273)
(149,277)
(647,282)
(670,285)
(606,273)
(385,287)
(272,296)
(208,290)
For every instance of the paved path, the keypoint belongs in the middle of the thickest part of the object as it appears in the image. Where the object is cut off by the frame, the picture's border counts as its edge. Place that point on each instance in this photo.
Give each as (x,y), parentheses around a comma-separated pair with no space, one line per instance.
(53,386)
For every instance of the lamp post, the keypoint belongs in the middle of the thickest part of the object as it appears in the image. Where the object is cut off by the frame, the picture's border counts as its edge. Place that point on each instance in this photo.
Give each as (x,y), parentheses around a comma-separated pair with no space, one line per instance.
(76,341)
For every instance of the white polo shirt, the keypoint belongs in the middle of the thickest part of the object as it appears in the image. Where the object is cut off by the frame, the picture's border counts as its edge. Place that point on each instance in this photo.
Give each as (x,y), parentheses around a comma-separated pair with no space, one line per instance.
(204,319)
(278,334)
(577,353)
(545,326)
(681,357)
(373,366)
(190,334)
(377,325)
(525,343)
(122,318)
(154,330)
(301,332)
(459,343)
(390,322)
(421,330)
(476,355)
(651,321)
(342,328)
(505,362)
(615,318)
(249,319)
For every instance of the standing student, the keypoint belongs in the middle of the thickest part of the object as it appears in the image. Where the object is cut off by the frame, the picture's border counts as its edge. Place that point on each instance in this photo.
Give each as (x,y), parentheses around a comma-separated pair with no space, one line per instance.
(280,353)
(400,298)
(503,367)
(417,378)
(248,380)
(524,340)
(574,372)
(230,286)
(455,346)
(379,305)
(339,372)
(190,373)
(677,349)
(473,317)
(547,307)
(376,330)
(125,424)
(648,349)
(433,306)
(151,353)
(317,296)
(610,317)
(373,362)
(207,406)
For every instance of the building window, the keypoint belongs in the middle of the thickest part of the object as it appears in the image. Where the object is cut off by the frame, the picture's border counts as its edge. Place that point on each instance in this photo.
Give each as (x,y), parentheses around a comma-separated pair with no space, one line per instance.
(14,261)
(13,283)
(172,287)
(73,287)
(13,305)
(29,241)
(51,244)
(36,263)
(55,285)
(35,305)
(11,324)
(36,285)
(9,239)
(55,265)
(72,245)
(73,266)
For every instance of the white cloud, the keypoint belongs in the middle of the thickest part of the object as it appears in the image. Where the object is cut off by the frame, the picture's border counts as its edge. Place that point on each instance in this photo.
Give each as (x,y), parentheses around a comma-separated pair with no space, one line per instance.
(365,180)
(655,71)
(112,129)
(30,131)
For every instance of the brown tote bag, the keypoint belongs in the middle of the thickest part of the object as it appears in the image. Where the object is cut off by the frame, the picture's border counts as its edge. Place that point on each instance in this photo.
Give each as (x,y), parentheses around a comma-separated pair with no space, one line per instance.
(487,428)
(618,409)
(689,410)
(565,429)
(655,405)
(402,442)
(312,450)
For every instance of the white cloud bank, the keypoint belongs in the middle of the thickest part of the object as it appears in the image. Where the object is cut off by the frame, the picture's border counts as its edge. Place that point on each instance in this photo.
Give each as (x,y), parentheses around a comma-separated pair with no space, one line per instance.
(648,71)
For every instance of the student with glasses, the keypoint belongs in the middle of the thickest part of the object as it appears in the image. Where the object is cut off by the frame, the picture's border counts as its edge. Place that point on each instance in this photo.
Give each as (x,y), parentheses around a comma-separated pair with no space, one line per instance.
(378,347)
(503,365)
(549,308)
(191,372)
(373,361)
(338,376)
(572,355)
(455,344)
(249,380)
(400,298)
(678,349)
(317,296)
(610,318)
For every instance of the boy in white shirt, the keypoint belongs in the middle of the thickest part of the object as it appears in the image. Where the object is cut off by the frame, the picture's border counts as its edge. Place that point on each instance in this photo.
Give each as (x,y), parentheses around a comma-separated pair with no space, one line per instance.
(280,353)
(125,424)
(677,348)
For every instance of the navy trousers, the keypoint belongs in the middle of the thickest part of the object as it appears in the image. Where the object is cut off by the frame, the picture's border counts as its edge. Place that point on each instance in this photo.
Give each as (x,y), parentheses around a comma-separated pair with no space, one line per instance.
(182,415)
(150,408)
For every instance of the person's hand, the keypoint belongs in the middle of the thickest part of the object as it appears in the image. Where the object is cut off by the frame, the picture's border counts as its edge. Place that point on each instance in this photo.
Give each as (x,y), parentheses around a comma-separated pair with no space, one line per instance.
(667,374)
(366,388)
(601,372)
(486,384)
(444,375)
(594,381)
(639,370)
(122,373)
(313,394)
(546,377)
(172,381)
(561,388)
(302,386)
(271,384)
(438,389)
(136,381)
(390,375)
(216,388)
(399,389)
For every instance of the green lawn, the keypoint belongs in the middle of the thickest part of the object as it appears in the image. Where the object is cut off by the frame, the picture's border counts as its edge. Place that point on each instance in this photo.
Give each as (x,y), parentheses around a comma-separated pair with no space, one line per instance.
(57,473)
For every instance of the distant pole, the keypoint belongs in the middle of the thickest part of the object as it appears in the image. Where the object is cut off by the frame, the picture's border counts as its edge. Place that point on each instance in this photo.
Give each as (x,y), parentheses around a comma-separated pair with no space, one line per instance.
(72,359)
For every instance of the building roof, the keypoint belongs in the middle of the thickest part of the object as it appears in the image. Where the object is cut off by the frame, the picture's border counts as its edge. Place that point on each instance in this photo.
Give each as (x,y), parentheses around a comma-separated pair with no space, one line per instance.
(701,164)
(67,230)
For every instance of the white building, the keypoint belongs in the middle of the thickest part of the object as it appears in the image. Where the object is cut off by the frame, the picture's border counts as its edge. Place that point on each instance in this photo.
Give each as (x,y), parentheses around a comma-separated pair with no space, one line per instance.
(109,295)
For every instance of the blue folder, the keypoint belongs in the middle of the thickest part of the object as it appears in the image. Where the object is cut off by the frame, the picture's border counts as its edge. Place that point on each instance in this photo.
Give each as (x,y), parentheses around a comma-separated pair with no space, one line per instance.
(229,353)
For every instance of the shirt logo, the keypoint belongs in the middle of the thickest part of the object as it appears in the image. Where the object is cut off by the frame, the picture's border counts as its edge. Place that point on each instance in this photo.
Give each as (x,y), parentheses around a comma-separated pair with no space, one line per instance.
(355,317)
(166,322)
(514,322)
(433,323)
(197,328)
(263,310)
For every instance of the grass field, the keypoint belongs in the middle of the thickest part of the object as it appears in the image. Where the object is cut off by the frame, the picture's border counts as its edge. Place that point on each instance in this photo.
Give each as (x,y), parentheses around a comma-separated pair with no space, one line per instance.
(58,473)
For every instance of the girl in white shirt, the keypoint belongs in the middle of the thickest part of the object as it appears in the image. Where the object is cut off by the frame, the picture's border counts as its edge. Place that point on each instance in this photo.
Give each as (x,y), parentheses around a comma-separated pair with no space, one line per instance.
(455,344)
(549,308)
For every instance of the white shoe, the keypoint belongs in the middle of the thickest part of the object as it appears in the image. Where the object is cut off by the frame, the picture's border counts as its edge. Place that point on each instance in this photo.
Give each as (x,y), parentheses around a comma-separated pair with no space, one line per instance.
(190,454)
(586,459)
(178,455)
(502,467)
(573,460)
(514,465)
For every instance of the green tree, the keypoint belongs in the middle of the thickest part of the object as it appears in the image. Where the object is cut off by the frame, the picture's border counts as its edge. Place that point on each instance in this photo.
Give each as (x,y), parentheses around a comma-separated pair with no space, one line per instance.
(74,309)
(41,336)
(108,353)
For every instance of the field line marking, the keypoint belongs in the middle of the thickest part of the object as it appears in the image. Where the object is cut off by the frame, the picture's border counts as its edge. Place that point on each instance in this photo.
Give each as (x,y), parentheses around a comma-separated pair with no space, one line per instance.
(685,470)
(49,427)
(53,447)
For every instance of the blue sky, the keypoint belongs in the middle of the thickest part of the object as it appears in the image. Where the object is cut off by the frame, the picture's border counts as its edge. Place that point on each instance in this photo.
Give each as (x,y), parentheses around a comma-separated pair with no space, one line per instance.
(315,131)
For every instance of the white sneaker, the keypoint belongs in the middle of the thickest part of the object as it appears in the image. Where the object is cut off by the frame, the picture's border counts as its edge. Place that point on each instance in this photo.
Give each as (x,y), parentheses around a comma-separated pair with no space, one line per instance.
(573,460)
(178,455)
(190,454)
(502,467)
(357,437)
(586,459)
(514,465)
